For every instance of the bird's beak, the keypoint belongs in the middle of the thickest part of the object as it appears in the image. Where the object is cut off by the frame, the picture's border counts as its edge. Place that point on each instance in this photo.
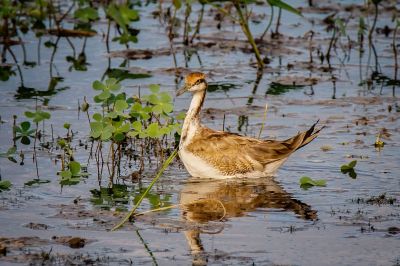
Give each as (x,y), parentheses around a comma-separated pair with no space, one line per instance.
(182,90)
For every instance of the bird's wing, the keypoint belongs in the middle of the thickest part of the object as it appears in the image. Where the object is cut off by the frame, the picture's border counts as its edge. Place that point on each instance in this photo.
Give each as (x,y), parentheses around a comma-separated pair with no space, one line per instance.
(229,152)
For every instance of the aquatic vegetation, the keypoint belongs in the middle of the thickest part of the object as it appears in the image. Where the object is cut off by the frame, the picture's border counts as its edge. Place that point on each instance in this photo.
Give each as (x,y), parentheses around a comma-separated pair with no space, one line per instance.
(126,119)
(349,169)
(5,185)
(306,182)
(9,154)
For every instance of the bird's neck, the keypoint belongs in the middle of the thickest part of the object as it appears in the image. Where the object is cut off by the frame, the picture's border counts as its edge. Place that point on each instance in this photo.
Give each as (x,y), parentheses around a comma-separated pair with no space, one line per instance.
(192,119)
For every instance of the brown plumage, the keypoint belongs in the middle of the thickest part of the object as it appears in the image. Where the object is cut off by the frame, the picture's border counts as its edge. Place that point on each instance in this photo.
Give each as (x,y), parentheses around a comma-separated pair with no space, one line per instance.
(217,154)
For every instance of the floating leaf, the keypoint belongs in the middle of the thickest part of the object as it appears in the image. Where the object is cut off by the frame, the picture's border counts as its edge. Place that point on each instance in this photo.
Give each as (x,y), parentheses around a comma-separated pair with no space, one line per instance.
(5,185)
(36,181)
(349,169)
(306,182)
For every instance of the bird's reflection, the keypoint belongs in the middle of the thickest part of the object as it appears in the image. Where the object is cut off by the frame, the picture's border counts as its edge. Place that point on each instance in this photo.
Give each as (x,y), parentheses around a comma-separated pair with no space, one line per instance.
(203,201)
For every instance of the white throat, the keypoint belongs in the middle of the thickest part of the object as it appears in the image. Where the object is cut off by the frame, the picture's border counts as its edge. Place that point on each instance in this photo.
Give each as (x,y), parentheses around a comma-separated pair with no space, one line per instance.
(192,119)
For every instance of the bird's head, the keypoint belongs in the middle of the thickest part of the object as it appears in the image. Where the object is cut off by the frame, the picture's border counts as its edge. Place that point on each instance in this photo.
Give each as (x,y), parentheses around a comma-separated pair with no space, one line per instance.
(193,82)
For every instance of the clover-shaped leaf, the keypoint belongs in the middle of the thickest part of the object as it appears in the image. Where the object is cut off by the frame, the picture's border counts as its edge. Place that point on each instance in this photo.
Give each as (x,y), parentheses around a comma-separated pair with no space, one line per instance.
(153,130)
(101,130)
(120,105)
(24,132)
(137,130)
(38,116)
(138,110)
(349,169)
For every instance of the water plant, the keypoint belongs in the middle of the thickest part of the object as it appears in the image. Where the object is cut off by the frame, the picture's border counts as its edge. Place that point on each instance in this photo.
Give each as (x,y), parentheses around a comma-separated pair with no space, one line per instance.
(307,182)
(5,185)
(130,123)
(349,169)
(9,154)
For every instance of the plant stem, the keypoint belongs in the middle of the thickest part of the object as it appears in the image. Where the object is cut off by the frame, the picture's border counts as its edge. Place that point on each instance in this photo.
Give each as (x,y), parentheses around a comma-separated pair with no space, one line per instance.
(246,30)
(328,53)
(160,172)
(396,66)
(197,30)
(269,24)
(263,122)
(371,31)
(278,22)
(186,25)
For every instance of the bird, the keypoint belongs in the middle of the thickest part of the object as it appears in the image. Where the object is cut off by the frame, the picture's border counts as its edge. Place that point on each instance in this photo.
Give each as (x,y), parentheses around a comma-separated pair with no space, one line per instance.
(213,154)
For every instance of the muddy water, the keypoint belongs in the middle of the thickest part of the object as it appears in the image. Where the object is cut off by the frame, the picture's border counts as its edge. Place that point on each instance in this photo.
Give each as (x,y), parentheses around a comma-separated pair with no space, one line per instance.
(266,221)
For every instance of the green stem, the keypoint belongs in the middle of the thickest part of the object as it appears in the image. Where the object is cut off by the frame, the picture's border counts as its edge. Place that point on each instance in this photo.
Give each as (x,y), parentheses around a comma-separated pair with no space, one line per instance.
(197,30)
(371,31)
(278,22)
(269,24)
(247,32)
(160,172)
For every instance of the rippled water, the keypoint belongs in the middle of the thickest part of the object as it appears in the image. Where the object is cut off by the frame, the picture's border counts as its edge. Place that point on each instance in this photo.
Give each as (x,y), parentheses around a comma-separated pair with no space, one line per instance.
(261,222)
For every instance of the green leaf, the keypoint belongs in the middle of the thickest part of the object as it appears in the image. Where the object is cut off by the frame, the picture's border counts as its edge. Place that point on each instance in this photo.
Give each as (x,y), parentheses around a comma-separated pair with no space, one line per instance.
(124,128)
(97,117)
(353,174)
(284,6)
(128,14)
(36,181)
(25,125)
(132,134)
(168,108)
(66,174)
(104,95)
(165,97)
(153,99)
(67,125)
(70,181)
(111,81)
(153,130)
(75,168)
(154,88)
(306,182)
(112,115)
(25,140)
(120,105)
(177,3)
(97,85)
(29,114)
(157,109)
(115,87)
(96,126)
(352,164)
(119,137)
(86,14)
(11,151)
(137,125)
(5,185)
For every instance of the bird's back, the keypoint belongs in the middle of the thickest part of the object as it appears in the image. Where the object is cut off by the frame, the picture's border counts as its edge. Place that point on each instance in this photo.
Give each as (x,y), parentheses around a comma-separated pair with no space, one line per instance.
(233,155)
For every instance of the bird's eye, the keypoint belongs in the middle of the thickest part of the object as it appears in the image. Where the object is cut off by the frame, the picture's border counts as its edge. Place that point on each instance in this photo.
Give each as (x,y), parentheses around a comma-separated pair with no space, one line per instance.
(199,81)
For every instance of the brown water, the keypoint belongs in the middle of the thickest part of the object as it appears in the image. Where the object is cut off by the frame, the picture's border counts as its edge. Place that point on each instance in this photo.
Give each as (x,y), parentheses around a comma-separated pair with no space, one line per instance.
(262,222)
